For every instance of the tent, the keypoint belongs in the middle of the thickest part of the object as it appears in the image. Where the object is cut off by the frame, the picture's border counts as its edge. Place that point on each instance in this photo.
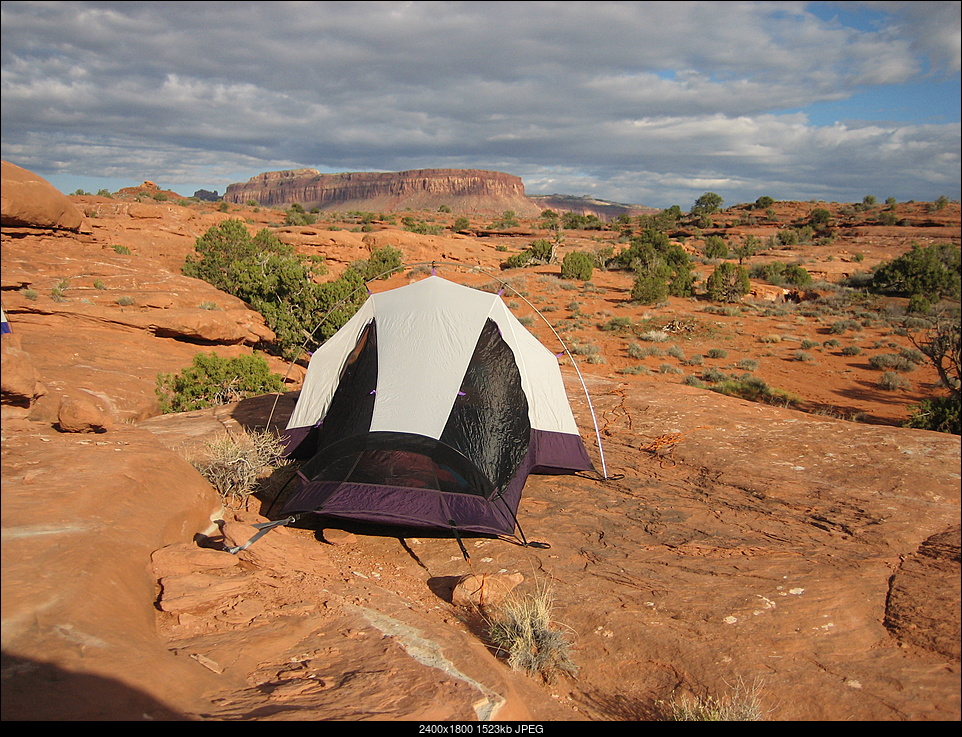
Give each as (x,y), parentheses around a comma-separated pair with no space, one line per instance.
(429,408)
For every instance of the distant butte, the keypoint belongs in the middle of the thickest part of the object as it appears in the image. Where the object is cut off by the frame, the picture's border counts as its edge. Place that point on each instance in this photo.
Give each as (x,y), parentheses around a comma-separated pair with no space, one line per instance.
(464,191)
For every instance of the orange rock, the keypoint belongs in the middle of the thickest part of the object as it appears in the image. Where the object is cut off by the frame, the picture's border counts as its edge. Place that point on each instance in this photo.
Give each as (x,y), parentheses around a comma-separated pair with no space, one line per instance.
(29,201)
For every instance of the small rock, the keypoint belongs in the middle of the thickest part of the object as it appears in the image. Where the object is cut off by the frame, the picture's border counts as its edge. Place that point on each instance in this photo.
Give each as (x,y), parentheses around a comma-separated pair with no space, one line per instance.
(79,415)
(339,537)
(484,590)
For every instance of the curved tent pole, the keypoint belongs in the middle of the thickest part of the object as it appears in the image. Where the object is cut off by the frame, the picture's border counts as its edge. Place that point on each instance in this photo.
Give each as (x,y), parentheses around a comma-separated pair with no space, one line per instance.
(479,270)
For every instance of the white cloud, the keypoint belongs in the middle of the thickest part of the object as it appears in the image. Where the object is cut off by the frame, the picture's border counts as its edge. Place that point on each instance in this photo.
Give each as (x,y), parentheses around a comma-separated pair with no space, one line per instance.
(640,102)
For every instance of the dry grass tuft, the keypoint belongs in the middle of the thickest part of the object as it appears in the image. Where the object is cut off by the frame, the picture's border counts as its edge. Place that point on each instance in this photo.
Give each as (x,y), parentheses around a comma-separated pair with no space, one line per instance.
(234,466)
(521,628)
(741,705)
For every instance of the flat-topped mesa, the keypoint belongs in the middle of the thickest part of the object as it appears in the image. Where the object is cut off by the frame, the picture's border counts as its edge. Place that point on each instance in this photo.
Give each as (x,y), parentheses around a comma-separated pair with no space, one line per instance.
(462,190)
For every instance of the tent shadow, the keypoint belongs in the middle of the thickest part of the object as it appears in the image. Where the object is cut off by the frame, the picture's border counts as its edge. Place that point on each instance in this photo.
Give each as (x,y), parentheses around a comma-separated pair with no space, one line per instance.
(267,411)
(37,691)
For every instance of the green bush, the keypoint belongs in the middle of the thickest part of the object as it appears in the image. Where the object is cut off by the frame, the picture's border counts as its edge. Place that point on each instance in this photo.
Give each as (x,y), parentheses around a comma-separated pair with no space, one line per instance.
(929,271)
(780,274)
(541,251)
(577,265)
(211,381)
(707,204)
(517,260)
(754,389)
(295,215)
(715,247)
(649,290)
(270,277)
(728,283)
(940,414)
(655,259)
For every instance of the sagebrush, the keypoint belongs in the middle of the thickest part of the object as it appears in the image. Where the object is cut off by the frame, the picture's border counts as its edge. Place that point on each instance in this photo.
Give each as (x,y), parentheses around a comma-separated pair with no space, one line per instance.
(234,464)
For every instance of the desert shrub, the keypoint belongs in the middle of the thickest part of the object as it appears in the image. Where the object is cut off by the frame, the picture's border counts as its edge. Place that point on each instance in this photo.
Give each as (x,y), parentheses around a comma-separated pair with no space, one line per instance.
(747,364)
(803,356)
(728,283)
(754,389)
(296,215)
(747,248)
(851,350)
(279,284)
(517,261)
(382,263)
(819,217)
(577,265)
(715,247)
(891,361)
(708,204)
(940,414)
(914,355)
(540,251)
(892,381)
(617,323)
(781,274)
(743,705)
(589,351)
(843,326)
(234,466)
(649,289)
(714,375)
(930,271)
(521,629)
(654,336)
(634,350)
(661,267)
(633,370)
(797,276)
(211,381)
(716,353)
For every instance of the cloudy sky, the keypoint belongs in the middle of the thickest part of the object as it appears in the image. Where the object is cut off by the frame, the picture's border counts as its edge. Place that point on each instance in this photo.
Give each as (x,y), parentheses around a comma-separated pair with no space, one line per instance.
(648,103)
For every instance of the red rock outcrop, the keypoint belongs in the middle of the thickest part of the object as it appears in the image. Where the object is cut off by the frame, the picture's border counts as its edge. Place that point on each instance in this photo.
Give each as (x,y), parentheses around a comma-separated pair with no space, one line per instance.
(463,190)
(29,201)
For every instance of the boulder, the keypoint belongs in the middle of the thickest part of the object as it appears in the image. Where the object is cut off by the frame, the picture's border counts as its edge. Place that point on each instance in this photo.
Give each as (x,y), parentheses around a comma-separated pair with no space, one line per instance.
(484,590)
(29,201)
(19,380)
(80,415)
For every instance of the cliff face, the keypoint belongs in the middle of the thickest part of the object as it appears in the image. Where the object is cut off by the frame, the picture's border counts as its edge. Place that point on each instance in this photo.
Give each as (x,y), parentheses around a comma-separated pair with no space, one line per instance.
(603,209)
(463,190)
